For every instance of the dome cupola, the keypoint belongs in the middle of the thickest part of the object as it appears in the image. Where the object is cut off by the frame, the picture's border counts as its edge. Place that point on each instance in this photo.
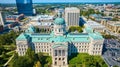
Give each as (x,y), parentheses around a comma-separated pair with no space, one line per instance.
(59,20)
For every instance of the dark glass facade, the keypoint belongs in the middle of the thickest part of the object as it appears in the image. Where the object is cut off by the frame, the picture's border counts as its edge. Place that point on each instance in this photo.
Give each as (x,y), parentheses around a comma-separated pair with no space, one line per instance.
(24,7)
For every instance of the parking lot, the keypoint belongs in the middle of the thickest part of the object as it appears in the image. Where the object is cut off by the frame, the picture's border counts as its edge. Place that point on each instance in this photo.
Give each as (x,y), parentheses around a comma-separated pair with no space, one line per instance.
(112,53)
(111,43)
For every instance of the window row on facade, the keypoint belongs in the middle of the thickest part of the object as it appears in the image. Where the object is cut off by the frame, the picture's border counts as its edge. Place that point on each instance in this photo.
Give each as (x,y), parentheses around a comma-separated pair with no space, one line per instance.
(83,43)
(97,45)
(21,53)
(42,50)
(22,49)
(96,52)
(96,48)
(59,52)
(80,47)
(60,30)
(41,47)
(22,46)
(79,50)
(58,63)
(37,44)
(43,38)
(63,58)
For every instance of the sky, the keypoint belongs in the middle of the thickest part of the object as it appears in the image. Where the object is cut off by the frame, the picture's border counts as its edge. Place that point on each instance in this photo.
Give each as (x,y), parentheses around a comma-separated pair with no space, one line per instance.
(47,1)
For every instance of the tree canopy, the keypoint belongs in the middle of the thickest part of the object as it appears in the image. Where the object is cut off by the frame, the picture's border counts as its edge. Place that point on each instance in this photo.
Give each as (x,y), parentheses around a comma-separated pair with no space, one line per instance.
(86,60)
(31,60)
(75,28)
(90,11)
(115,19)
(8,38)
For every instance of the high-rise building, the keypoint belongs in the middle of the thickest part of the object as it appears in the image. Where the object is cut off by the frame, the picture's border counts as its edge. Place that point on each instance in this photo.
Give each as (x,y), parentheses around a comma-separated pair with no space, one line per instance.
(72,16)
(25,7)
(2,18)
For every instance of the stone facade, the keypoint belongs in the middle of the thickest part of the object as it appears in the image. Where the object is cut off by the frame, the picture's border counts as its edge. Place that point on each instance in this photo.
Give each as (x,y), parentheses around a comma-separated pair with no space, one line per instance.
(113,26)
(60,44)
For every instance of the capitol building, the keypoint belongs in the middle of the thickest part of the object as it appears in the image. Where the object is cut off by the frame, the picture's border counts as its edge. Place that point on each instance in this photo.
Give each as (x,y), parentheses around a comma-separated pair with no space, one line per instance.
(59,43)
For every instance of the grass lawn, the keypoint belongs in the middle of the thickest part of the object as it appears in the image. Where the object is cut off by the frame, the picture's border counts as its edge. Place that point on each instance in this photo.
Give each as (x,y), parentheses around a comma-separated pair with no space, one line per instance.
(86,60)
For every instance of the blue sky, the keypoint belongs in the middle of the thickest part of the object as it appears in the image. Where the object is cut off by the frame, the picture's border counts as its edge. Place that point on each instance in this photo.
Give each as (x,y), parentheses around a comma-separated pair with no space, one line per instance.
(47,1)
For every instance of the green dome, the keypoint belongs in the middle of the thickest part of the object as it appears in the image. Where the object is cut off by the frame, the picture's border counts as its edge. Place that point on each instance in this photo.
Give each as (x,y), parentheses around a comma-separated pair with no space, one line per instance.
(59,21)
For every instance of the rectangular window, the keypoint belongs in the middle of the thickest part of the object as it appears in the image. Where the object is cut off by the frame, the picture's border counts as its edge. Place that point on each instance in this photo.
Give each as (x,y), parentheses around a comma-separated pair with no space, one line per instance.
(63,52)
(55,63)
(55,52)
(63,63)
(62,58)
(59,30)
(59,52)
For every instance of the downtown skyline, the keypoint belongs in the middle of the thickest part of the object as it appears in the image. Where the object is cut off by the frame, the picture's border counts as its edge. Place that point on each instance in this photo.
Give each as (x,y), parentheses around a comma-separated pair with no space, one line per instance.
(65,1)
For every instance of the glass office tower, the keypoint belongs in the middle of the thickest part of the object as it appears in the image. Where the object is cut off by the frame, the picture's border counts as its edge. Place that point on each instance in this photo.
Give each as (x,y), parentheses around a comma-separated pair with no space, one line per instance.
(25,7)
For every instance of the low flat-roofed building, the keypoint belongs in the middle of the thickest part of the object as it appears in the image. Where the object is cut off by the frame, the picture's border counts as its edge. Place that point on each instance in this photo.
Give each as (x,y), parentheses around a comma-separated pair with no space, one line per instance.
(94,16)
(43,22)
(113,26)
(95,26)
(112,11)
(11,18)
(42,17)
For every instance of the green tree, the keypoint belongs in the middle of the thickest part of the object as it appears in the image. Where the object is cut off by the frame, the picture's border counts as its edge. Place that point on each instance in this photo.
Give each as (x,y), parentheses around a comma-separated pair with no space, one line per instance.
(40,56)
(72,29)
(86,60)
(31,60)
(37,30)
(38,64)
(75,28)
(8,38)
(79,29)
(115,66)
(30,54)
(1,49)
(4,54)
(115,19)
(22,62)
